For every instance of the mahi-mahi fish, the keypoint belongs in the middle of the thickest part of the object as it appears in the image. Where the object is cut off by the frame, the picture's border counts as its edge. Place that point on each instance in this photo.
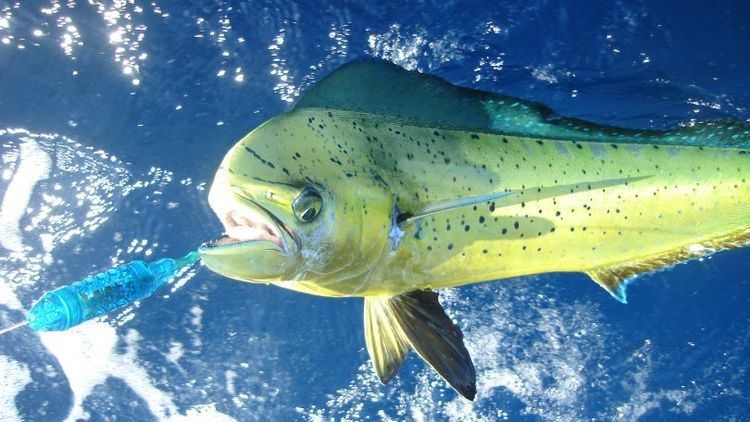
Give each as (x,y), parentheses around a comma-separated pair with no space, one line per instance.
(388,184)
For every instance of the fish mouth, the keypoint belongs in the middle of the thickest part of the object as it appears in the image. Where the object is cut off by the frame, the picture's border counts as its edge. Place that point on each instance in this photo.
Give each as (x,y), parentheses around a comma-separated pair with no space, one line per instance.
(257,246)
(249,223)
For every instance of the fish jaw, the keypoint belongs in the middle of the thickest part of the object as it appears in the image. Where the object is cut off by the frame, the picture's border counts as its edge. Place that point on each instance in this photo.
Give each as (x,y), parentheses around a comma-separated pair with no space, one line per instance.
(253,261)
(257,246)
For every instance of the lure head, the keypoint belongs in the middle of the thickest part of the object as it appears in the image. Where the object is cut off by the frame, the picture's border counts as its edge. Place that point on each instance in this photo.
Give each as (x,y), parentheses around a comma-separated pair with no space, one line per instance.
(294,214)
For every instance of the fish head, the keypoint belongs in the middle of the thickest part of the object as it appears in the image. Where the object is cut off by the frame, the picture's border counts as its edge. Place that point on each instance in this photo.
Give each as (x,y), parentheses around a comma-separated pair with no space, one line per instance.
(293,214)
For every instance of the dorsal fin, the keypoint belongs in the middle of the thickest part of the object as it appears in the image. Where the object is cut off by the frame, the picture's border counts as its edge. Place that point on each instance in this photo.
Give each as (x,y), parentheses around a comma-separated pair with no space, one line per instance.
(721,133)
(383,88)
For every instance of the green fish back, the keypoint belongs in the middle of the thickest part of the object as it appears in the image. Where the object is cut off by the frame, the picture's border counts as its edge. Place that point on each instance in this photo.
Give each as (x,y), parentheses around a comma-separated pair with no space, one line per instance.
(382,88)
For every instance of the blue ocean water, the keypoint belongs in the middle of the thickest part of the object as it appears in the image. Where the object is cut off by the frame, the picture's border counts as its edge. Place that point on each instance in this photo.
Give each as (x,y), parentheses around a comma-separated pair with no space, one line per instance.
(114,116)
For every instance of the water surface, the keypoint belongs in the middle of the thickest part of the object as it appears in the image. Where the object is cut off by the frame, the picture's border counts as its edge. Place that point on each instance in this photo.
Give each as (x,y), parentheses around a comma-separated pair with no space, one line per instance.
(114,116)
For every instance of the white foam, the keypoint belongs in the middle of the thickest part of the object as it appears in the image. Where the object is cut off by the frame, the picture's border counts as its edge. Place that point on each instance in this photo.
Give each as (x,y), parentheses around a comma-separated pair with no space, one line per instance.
(196,322)
(88,358)
(290,85)
(230,375)
(548,376)
(544,74)
(176,351)
(87,183)
(642,399)
(411,50)
(34,166)
(15,377)
(202,413)
(8,295)
(563,363)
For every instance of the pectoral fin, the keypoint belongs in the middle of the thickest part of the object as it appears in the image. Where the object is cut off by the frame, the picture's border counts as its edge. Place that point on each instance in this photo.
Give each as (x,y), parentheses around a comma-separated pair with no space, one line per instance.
(385,341)
(452,204)
(418,318)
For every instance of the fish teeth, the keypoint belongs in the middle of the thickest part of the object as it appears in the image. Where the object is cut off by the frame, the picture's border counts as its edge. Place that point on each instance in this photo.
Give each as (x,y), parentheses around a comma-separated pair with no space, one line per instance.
(241,220)
(245,233)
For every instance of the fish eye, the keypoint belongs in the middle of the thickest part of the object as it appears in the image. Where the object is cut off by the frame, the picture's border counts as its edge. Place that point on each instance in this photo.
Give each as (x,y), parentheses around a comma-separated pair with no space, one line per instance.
(307,205)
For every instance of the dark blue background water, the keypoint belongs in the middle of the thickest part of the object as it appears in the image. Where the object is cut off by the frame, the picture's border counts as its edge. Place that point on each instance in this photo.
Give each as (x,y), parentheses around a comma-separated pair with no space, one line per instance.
(171,102)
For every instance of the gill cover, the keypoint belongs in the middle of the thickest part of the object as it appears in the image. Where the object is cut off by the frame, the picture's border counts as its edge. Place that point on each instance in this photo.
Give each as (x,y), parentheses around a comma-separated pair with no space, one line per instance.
(334,227)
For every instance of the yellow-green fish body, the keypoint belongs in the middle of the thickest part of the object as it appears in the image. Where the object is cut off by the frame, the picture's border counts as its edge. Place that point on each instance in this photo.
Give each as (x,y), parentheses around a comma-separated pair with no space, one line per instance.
(388,197)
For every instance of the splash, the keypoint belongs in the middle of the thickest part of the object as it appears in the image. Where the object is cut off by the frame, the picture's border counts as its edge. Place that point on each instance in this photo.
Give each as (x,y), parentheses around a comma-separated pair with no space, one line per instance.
(407,49)
(88,357)
(79,192)
(58,191)
(289,87)
(534,357)
(34,166)
(15,377)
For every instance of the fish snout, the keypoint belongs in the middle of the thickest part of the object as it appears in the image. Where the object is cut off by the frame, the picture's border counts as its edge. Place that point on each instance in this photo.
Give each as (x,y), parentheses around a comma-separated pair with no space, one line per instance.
(256,246)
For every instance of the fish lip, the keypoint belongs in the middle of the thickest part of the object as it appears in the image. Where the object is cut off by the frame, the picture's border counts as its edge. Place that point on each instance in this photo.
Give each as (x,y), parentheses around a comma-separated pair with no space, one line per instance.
(215,245)
(259,218)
